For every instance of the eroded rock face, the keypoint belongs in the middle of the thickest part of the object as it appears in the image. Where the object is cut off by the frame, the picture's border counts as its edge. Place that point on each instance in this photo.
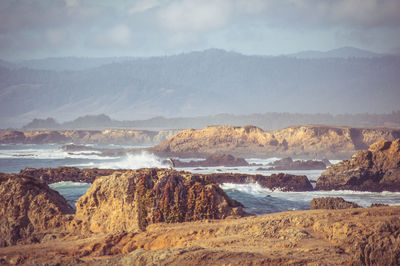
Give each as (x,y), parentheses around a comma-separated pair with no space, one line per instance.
(29,210)
(330,203)
(300,141)
(375,169)
(130,201)
(213,160)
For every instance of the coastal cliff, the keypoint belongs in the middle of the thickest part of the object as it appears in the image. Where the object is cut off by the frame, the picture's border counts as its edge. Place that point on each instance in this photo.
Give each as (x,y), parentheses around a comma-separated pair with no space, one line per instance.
(300,141)
(110,136)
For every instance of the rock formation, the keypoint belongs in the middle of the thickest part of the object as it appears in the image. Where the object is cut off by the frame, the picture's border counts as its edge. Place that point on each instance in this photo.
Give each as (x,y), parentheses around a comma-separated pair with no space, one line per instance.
(300,141)
(375,169)
(110,136)
(368,236)
(281,181)
(289,164)
(29,210)
(54,175)
(210,161)
(330,203)
(132,200)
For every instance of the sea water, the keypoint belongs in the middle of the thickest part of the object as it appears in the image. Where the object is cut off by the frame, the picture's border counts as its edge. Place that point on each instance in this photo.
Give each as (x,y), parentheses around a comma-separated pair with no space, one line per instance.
(256,200)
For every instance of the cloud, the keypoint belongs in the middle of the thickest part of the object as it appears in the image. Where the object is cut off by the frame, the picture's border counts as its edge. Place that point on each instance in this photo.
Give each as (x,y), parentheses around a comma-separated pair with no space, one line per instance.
(119,35)
(195,15)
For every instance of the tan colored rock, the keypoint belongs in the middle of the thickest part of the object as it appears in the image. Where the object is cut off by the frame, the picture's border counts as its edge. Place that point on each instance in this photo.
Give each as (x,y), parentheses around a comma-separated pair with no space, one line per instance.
(300,141)
(375,169)
(129,201)
(29,210)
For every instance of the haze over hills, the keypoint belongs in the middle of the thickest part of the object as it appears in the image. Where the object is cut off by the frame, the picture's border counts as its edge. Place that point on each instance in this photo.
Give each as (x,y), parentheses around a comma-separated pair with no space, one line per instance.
(343,52)
(200,84)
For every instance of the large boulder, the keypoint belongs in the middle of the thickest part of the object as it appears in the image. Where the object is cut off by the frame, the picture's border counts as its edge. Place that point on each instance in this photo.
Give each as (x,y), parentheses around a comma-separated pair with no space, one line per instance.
(375,169)
(331,203)
(129,201)
(29,210)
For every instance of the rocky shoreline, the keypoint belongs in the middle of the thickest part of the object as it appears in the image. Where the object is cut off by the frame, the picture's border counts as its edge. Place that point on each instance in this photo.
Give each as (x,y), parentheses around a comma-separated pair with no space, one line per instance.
(160,216)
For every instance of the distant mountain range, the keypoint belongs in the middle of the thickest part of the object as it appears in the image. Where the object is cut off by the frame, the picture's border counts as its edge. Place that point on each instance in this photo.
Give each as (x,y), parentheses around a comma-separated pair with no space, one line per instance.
(344,52)
(197,84)
(267,121)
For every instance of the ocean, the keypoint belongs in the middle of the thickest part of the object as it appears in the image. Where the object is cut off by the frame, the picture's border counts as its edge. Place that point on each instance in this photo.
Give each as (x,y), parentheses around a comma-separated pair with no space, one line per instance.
(256,200)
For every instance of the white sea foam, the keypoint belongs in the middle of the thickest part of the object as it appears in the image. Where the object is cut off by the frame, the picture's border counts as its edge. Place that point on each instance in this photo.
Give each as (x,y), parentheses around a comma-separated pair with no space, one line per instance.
(130,161)
(362,198)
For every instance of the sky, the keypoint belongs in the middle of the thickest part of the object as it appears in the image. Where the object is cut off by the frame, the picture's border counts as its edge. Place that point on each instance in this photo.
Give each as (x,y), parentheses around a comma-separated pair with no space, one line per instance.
(98,28)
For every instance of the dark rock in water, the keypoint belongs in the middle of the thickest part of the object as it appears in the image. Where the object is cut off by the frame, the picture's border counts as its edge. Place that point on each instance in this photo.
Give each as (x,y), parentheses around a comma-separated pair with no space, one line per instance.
(331,203)
(29,210)
(129,201)
(284,182)
(211,161)
(289,164)
(54,175)
(373,205)
(375,169)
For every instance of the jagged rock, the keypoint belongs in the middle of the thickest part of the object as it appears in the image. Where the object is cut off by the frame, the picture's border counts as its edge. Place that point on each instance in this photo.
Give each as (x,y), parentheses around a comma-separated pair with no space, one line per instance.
(375,169)
(289,164)
(331,203)
(54,175)
(29,209)
(310,141)
(281,181)
(130,201)
(213,160)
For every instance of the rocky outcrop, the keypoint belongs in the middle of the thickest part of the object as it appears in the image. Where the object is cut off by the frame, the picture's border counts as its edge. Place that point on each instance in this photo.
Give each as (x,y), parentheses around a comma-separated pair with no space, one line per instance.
(210,161)
(289,164)
(375,169)
(281,181)
(54,175)
(300,141)
(367,236)
(29,210)
(330,203)
(132,200)
(109,136)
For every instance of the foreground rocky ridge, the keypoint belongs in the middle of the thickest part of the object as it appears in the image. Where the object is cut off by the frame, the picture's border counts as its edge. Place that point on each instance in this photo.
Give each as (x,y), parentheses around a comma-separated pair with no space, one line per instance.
(375,169)
(329,237)
(110,136)
(300,141)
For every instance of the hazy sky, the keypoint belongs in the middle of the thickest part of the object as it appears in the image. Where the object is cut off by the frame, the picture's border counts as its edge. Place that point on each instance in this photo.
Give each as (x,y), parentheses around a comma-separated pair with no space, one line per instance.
(43,28)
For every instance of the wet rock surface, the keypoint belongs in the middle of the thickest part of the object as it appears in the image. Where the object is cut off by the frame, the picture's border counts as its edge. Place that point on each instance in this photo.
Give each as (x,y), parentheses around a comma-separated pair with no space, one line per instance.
(288,164)
(210,161)
(375,169)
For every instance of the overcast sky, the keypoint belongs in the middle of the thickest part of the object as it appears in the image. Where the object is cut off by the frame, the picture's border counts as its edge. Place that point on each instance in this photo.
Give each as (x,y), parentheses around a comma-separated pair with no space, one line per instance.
(100,28)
